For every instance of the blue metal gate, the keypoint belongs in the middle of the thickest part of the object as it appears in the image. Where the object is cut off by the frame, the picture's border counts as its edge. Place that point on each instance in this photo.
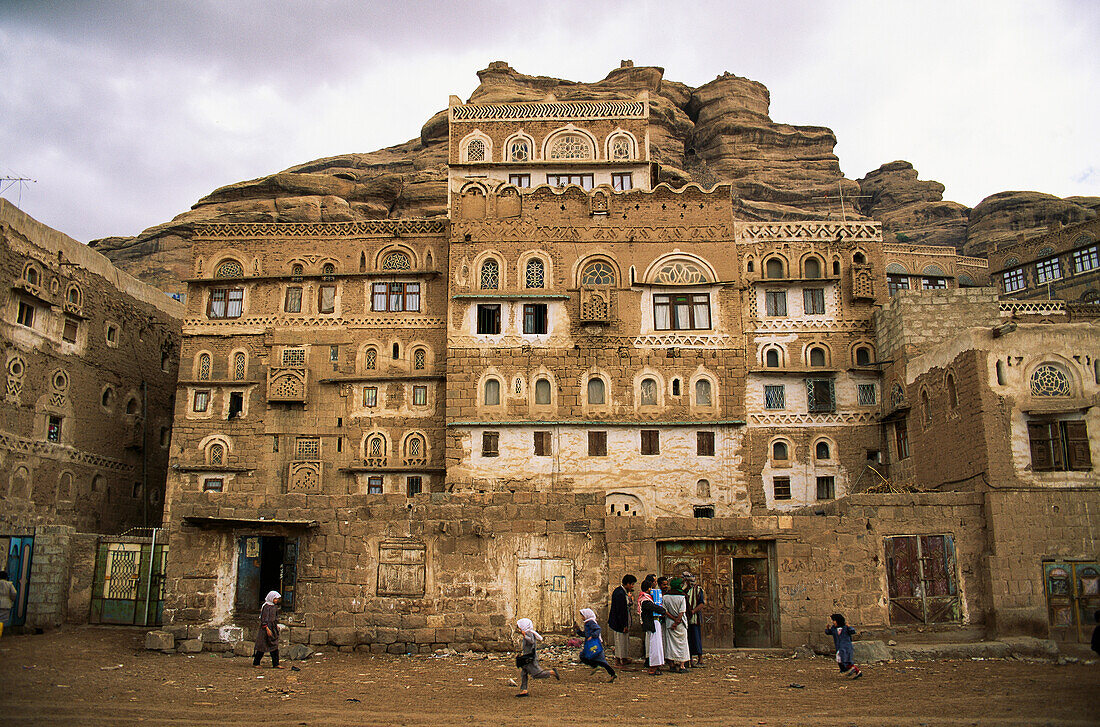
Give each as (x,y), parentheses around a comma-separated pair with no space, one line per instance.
(19,550)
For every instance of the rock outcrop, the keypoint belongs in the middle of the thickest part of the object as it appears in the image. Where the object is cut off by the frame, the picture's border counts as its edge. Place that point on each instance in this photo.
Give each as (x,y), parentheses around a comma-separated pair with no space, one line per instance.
(718,132)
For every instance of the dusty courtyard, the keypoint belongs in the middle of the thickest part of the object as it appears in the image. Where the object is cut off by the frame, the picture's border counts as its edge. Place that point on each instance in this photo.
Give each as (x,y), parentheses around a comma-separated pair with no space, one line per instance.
(103,676)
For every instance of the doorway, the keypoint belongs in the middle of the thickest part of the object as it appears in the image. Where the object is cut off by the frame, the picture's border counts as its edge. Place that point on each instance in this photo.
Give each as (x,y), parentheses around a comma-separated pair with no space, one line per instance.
(738,580)
(544,592)
(921,580)
(265,563)
(1073,598)
(18,565)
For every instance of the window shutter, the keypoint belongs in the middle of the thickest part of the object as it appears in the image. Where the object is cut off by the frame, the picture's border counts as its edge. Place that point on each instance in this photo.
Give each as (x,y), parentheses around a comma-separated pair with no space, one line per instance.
(1041,451)
(1077,446)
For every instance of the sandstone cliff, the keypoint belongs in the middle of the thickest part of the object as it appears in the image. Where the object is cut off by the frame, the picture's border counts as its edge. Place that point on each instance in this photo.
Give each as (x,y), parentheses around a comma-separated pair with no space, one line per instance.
(718,132)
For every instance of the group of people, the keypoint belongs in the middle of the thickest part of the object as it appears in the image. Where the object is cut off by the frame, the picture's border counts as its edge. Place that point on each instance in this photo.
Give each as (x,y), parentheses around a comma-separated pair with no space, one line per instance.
(669,611)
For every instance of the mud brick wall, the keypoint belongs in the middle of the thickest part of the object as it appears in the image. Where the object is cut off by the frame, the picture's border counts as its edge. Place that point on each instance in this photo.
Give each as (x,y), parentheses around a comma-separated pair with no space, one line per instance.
(915,321)
(1026,528)
(831,562)
(48,592)
(472,545)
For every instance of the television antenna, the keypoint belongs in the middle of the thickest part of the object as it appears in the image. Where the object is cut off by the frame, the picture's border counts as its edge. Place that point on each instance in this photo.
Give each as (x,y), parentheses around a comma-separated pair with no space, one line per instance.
(7,183)
(844,198)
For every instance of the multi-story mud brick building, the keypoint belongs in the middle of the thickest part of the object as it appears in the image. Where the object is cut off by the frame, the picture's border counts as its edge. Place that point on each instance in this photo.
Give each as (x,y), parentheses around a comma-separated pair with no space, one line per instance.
(89,357)
(418,430)
(1063,264)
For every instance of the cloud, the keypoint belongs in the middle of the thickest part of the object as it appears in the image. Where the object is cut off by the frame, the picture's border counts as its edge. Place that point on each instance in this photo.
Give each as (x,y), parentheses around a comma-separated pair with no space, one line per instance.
(127,112)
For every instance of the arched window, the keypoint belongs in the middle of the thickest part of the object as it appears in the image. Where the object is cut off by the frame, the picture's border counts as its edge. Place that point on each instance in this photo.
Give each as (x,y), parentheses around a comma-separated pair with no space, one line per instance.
(1049,380)
(570,146)
(328,272)
(597,391)
(414,446)
(105,400)
(702,392)
(296,271)
(863,356)
(396,261)
(836,267)
(370,359)
(702,488)
(542,391)
(132,405)
(952,392)
(649,392)
(215,454)
(239,365)
(621,148)
(813,267)
(817,356)
(926,408)
(65,486)
(204,367)
(376,446)
(774,268)
(396,351)
(490,274)
(419,357)
(821,450)
(492,392)
(31,275)
(536,274)
(519,150)
(229,269)
(73,296)
(771,358)
(476,150)
(598,273)
(859,258)
(780,451)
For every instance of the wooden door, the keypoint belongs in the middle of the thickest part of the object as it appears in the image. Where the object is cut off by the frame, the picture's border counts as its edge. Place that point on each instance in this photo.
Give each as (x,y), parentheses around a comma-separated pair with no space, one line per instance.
(544,592)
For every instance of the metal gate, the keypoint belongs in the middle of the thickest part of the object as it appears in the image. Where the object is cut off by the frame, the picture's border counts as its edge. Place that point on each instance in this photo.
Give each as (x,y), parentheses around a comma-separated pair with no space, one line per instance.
(738,580)
(128,585)
(921,580)
(1073,598)
(19,550)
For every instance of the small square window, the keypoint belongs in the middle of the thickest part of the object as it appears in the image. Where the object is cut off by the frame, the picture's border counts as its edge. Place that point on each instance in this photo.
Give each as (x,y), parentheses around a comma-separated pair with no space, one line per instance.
(326,299)
(53,429)
(374,485)
(213,484)
(781,488)
(775,302)
(703,511)
(420,395)
(597,444)
(370,396)
(534,318)
(490,444)
(520,180)
(814,301)
(488,319)
(622,181)
(413,485)
(202,400)
(775,396)
(542,444)
(704,444)
(71,327)
(826,488)
(867,394)
(651,441)
(293,300)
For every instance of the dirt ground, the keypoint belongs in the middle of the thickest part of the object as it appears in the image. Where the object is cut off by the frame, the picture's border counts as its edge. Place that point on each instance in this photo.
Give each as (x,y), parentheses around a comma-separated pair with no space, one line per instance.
(102,676)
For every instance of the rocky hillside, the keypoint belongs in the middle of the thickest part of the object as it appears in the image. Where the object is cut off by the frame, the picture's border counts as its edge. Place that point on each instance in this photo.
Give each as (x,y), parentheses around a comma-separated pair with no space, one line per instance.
(718,132)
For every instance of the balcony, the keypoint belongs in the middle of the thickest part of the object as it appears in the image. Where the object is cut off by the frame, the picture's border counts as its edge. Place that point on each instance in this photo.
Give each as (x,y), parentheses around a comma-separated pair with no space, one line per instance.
(287,384)
(304,476)
(863,282)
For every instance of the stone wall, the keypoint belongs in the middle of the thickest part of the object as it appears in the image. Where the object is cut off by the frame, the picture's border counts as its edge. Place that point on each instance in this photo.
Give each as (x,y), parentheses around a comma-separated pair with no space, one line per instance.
(913,321)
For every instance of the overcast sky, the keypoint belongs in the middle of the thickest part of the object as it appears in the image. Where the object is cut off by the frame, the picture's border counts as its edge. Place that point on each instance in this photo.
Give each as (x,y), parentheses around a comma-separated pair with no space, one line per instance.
(126,112)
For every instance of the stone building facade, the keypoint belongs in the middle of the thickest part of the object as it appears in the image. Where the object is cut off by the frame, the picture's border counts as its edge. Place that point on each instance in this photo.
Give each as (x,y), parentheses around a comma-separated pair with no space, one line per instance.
(419,430)
(1063,264)
(90,357)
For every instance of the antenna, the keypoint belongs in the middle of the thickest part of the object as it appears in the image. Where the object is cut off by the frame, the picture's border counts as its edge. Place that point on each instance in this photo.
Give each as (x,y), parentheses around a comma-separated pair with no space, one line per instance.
(840,191)
(7,183)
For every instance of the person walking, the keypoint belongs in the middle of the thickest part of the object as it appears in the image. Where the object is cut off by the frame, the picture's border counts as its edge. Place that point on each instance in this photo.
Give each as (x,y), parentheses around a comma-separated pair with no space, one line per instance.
(267,637)
(8,594)
(528,660)
(618,619)
(592,652)
(651,614)
(696,599)
(676,634)
(842,635)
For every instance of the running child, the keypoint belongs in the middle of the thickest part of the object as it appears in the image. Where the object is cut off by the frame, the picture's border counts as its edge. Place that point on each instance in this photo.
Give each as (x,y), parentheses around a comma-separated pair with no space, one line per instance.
(527,660)
(842,639)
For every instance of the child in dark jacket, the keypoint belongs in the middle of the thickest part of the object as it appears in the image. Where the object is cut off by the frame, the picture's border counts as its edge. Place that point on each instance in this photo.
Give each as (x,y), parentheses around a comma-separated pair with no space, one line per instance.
(592,650)
(842,639)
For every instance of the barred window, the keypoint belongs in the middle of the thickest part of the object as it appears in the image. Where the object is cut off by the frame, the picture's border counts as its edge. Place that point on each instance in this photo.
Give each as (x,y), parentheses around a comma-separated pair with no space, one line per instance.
(216,454)
(814,300)
(370,359)
(1049,380)
(826,488)
(775,396)
(204,367)
(413,485)
(374,485)
(866,394)
(225,303)
(820,395)
(420,395)
(239,365)
(293,301)
(490,275)
(621,148)
(570,146)
(775,302)
(519,150)
(781,488)
(370,396)
(536,274)
(308,447)
(295,357)
(598,273)
(419,357)
(475,151)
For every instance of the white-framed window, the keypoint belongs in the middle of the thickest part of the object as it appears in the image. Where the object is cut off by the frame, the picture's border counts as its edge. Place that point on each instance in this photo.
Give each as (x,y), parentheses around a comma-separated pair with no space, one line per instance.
(1048,270)
(1013,280)
(1085,259)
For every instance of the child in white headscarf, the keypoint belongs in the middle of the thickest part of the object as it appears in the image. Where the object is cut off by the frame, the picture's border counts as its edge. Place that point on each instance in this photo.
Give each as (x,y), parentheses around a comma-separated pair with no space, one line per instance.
(592,651)
(267,636)
(527,660)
